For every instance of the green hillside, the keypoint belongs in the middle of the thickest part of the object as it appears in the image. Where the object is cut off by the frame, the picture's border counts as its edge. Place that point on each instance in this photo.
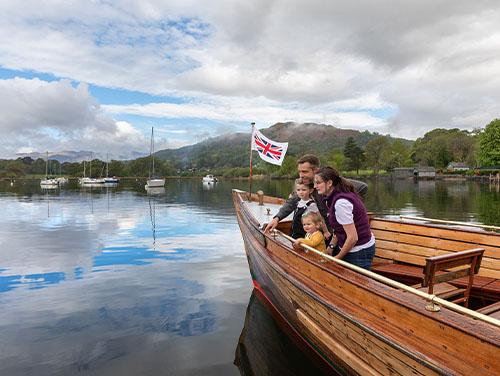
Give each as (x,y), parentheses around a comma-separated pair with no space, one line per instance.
(233,150)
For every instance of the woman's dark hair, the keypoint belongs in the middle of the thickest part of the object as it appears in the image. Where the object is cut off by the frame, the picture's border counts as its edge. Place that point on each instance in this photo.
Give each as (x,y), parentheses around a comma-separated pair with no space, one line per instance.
(339,183)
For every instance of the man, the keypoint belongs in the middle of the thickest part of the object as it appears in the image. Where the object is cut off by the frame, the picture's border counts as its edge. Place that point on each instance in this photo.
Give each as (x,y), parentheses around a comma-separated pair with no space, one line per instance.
(307,166)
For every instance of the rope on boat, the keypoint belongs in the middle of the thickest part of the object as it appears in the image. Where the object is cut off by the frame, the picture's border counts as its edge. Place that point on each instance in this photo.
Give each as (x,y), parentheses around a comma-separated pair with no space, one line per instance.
(433,299)
(449,222)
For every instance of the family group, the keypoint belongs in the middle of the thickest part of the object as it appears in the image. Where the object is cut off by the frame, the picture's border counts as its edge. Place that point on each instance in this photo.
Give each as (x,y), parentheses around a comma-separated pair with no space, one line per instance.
(328,213)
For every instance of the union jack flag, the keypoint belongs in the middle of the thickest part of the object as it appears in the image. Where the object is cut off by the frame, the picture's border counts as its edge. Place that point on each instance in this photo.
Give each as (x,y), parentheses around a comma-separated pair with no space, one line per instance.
(270,151)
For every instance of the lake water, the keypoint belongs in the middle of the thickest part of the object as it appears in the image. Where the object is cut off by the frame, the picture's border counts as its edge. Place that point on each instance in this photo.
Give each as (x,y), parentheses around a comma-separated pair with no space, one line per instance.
(116,281)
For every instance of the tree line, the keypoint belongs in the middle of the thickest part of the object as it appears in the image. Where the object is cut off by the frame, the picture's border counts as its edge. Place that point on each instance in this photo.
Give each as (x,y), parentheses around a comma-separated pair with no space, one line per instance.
(139,167)
(437,148)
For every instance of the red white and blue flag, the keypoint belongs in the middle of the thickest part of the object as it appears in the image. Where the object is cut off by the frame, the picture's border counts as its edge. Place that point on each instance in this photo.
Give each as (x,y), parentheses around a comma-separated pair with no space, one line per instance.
(270,151)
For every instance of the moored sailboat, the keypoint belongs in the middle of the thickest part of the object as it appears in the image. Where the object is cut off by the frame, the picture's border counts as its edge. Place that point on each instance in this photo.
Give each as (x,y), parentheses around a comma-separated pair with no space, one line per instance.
(153,180)
(90,180)
(48,182)
(110,179)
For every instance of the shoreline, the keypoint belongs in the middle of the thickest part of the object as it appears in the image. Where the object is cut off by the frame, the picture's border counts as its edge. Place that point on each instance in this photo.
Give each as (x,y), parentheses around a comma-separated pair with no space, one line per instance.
(267,177)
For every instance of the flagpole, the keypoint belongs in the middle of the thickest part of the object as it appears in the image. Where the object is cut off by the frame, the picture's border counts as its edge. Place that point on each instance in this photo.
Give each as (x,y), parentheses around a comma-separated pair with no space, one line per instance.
(250,178)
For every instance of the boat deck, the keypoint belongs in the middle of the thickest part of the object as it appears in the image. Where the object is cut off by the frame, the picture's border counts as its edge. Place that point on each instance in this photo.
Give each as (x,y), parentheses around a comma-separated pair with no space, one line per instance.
(262,214)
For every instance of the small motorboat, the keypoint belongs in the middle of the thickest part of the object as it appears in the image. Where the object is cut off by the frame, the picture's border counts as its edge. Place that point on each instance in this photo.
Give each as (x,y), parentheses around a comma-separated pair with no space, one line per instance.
(210,179)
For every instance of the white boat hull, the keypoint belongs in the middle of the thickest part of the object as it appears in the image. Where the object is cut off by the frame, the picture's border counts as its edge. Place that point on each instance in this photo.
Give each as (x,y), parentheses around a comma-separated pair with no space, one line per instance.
(209,179)
(91,181)
(156,183)
(49,183)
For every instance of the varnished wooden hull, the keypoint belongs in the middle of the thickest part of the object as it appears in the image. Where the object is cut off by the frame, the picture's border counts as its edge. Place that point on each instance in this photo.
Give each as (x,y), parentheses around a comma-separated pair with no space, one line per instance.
(358,325)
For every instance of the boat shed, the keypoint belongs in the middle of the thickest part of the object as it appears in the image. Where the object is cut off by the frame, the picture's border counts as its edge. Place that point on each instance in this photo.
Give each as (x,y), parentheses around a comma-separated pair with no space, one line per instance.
(402,172)
(424,172)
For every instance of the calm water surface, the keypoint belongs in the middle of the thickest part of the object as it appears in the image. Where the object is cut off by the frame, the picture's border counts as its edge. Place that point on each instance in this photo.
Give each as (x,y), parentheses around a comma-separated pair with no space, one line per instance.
(116,281)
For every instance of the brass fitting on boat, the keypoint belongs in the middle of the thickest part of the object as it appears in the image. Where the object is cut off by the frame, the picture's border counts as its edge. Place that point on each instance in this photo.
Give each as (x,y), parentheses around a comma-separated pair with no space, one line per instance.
(433,307)
(261,197)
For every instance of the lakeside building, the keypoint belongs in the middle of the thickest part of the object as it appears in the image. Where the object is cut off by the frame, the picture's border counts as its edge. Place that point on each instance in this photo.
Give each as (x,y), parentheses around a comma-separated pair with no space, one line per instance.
(424,172)
(458,166)
(402,173)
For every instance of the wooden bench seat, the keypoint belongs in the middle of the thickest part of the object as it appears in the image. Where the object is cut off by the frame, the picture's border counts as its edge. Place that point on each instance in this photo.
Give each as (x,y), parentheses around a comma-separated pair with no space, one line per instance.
(403,247)
(411,243)
(484,287)
(408,274)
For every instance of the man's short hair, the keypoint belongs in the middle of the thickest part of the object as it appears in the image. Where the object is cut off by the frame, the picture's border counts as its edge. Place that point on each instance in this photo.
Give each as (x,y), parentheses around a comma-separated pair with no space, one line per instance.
(314,161)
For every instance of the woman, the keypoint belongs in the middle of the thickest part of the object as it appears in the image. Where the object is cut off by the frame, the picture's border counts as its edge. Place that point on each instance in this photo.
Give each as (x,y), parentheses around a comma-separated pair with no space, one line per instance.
(347,215)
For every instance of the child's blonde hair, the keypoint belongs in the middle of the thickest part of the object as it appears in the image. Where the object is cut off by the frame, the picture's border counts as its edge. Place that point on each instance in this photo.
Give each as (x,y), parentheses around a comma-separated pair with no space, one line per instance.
(300,181)
(315,217)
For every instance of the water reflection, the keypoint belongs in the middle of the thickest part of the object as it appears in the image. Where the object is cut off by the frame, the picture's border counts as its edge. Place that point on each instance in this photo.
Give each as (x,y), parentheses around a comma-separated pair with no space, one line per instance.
(114,278)
(449,200)
(209,185)
(155,191)
(264,349)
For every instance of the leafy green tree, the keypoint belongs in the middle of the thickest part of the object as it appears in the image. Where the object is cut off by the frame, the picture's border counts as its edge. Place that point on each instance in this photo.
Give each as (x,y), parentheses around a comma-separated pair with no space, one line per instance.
(374,150)
(167,169)
(74,169)
(289,166)
(461,144)
(396,155)
(439,147)
(15,169)
(37,167)
(489,145)
(27,160)
(269,168)
(141,166)
(98,168)
(337,159)
(355,155)
(116,168)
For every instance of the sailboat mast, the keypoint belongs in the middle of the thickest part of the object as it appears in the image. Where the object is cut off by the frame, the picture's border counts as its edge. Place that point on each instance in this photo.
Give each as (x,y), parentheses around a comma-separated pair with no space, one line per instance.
(153,149)
(47,166)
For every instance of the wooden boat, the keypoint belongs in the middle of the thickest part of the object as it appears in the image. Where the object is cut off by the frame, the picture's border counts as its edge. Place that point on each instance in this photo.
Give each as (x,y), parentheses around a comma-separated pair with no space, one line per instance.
(360,322)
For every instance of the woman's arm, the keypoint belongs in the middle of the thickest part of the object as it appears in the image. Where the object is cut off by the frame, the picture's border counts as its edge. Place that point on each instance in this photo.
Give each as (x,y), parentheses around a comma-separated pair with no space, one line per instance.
(326,233)
(351,240)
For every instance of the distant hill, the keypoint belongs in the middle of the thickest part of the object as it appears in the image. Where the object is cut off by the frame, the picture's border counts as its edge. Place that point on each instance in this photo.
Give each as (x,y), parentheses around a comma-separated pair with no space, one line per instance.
(233,150)
(78,156)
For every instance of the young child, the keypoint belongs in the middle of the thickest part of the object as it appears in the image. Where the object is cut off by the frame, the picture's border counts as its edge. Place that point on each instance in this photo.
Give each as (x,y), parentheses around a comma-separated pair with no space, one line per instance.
(314,238)
(305,205)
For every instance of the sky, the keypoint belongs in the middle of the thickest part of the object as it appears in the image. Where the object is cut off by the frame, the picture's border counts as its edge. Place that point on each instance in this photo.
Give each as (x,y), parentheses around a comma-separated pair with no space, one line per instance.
(98,75)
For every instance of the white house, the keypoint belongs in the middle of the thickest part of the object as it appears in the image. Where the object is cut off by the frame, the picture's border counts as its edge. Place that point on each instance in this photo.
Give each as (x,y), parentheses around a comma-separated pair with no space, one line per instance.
(458,166)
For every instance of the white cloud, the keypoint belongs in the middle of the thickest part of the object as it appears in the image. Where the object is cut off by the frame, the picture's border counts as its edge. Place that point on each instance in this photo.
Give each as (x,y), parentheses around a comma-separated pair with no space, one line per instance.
(40,115)
(433,65)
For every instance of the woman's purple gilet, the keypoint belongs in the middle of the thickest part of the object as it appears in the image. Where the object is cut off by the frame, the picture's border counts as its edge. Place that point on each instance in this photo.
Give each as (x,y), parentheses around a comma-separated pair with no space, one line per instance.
(361,221)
